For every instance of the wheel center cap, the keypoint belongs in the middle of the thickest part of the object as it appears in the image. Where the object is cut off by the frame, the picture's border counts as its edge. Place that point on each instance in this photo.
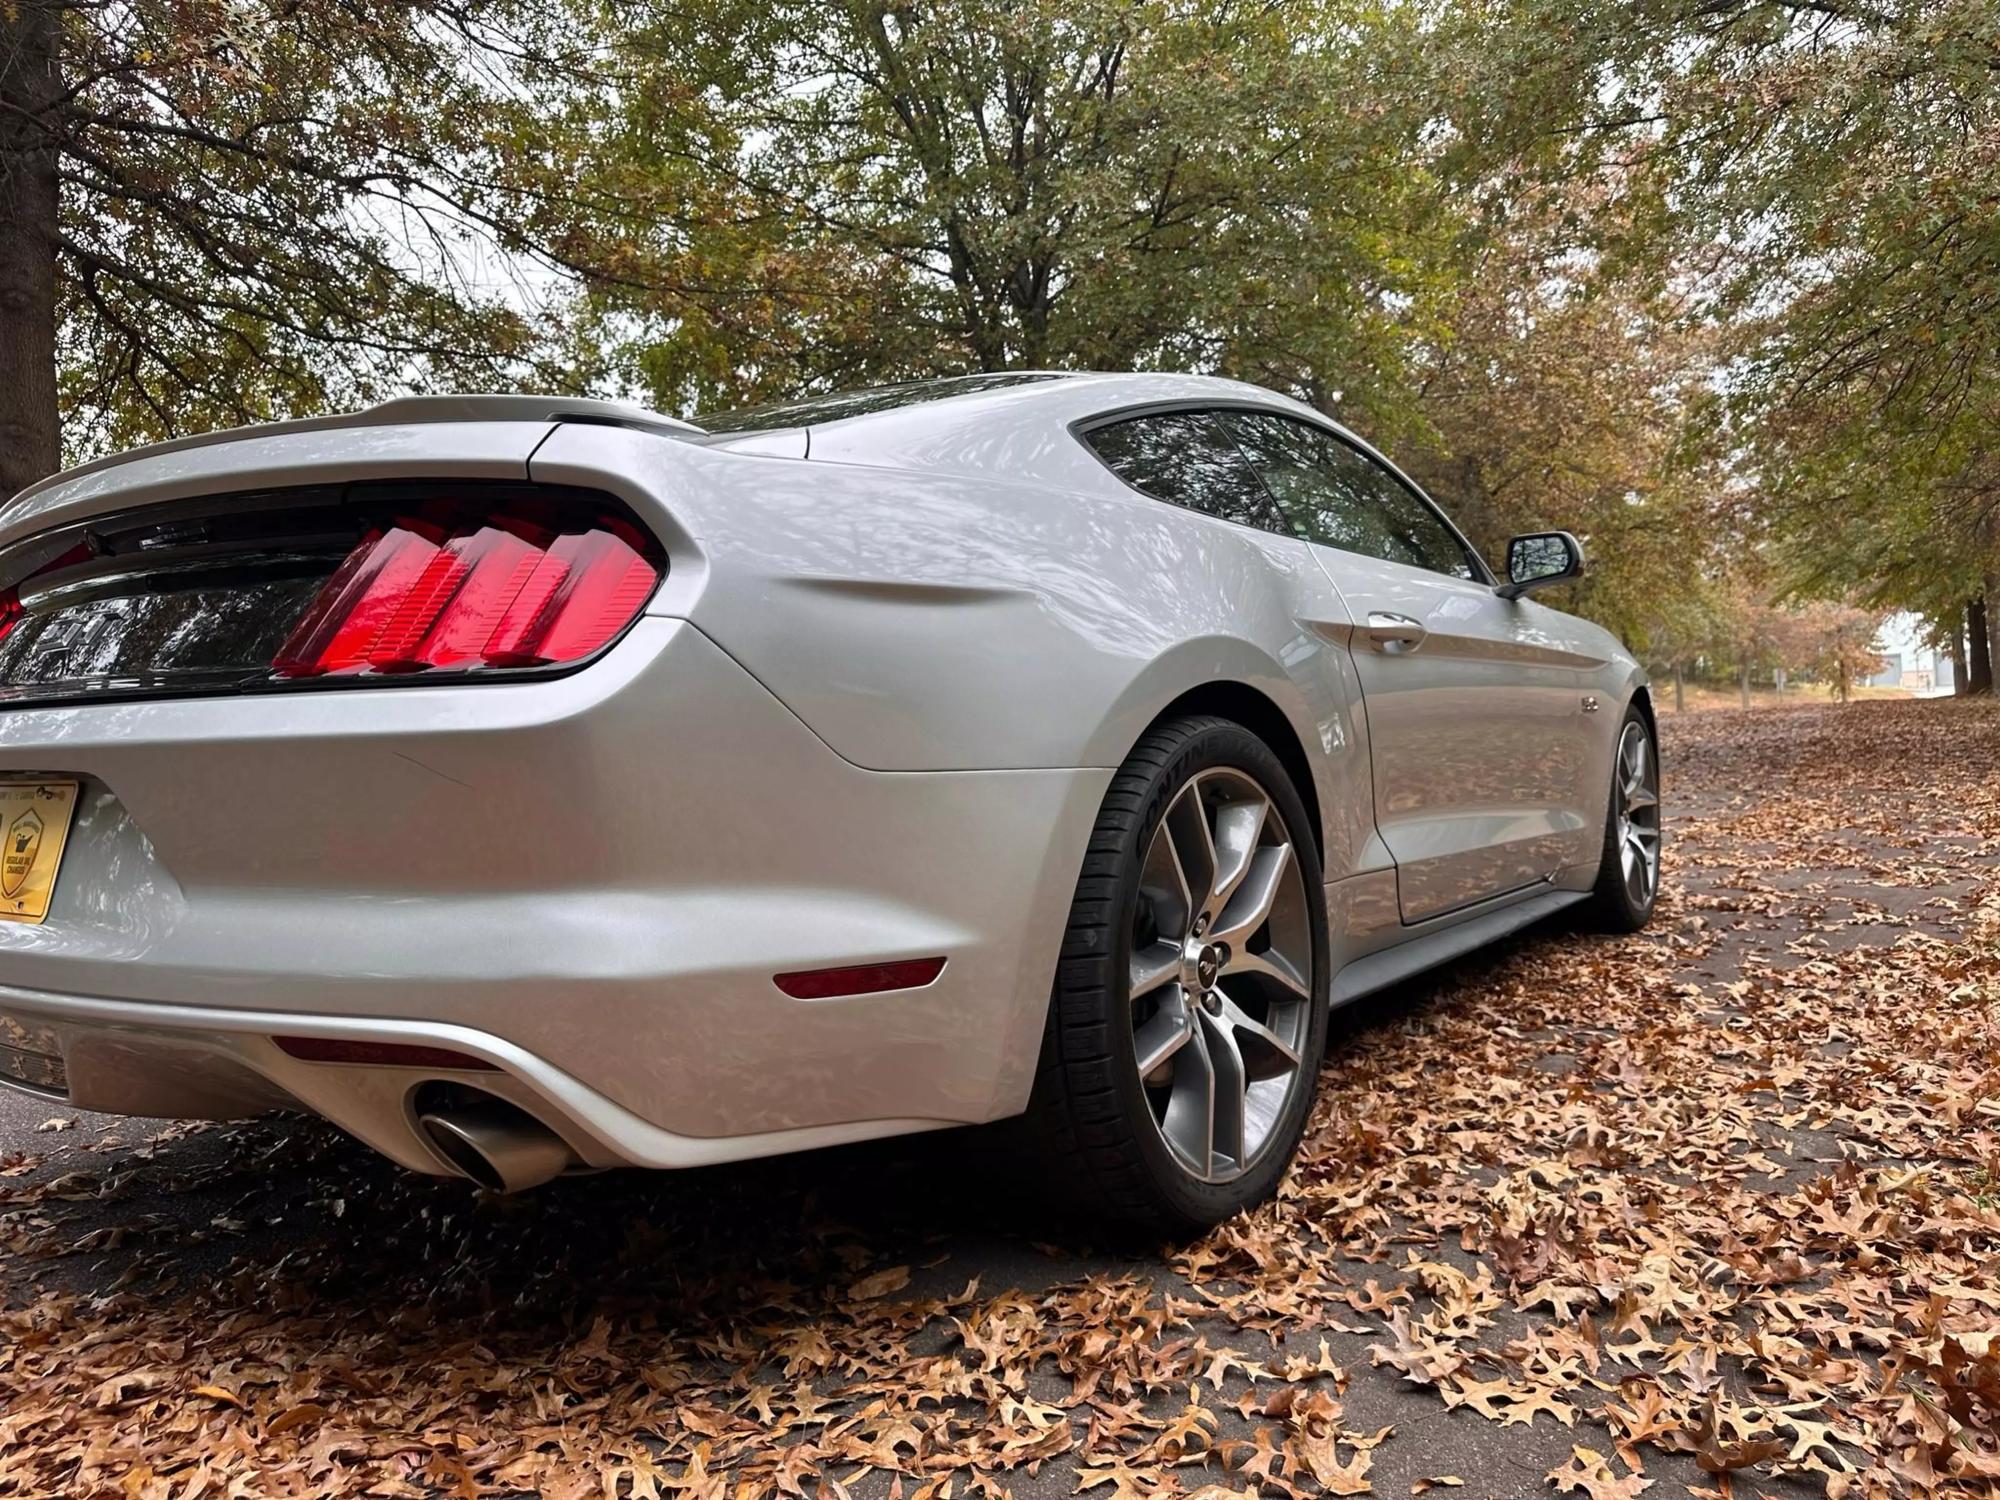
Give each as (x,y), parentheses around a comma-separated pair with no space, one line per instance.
(1200,963)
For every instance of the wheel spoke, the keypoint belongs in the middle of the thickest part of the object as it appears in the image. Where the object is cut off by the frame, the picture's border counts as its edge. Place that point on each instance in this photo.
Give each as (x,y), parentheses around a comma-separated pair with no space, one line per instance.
(1157,1040)
(1255,896)
(1270,965)
(1153,965)
(1189,1123)
(1238,826)
(1267,1054)
(1638,868)
(1186,823)
(1164,884)
(1232,1090)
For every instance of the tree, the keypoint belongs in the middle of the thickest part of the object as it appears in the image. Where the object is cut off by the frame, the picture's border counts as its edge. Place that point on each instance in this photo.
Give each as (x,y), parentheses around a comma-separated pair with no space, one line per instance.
(220,211)
(1560,393)
(925,188)
(1831,642)
(1830,163)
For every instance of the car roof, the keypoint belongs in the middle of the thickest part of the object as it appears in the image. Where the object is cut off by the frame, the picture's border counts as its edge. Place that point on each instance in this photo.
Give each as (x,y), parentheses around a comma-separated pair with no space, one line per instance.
(952,399)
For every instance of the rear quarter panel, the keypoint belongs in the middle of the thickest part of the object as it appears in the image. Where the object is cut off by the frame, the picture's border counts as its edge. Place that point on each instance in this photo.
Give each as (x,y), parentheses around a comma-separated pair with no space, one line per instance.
(939,620)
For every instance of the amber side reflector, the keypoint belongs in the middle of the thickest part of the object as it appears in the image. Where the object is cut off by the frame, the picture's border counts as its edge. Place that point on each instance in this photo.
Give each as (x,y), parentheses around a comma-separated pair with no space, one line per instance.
(859,979)
(331,1049)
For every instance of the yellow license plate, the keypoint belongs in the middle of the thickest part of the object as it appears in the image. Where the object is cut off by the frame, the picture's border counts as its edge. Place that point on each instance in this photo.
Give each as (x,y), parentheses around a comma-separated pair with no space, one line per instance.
(34,826)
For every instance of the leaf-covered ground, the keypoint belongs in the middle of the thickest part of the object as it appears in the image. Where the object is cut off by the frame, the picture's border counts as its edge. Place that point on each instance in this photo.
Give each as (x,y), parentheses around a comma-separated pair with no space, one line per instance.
(1715,1209)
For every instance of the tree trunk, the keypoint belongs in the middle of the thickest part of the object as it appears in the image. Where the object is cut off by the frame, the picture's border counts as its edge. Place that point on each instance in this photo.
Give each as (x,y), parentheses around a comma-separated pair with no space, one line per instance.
(1680,690)
(30,434)
(1743,683)
(1992,630)
(1978,649)
(1959,686)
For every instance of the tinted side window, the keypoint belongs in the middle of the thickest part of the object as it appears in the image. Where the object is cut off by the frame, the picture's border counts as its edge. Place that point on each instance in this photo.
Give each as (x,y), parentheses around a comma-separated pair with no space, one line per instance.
(1339,497)
(1186,458)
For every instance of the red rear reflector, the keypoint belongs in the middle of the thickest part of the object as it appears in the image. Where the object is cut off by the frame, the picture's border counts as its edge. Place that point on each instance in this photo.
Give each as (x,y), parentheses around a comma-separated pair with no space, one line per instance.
(504,592)
(860,979)
(331,1049)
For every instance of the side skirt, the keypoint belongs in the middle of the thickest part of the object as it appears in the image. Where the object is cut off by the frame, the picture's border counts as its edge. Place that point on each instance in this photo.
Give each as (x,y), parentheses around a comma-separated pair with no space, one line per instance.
(1393,965)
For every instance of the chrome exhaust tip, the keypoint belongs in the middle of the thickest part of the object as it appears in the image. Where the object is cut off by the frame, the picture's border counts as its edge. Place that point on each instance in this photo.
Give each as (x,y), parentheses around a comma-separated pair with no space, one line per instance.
(500,1147)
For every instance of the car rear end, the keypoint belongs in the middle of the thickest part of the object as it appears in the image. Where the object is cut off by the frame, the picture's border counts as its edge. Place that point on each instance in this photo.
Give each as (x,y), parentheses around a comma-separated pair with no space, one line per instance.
(353,769)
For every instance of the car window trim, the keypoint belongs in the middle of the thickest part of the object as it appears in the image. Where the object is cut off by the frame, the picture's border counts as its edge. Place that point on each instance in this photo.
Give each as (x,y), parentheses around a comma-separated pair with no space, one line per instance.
(1482,574)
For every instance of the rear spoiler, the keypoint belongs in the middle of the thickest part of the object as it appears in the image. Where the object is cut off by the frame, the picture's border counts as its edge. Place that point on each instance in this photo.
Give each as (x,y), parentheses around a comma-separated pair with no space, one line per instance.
(406,411)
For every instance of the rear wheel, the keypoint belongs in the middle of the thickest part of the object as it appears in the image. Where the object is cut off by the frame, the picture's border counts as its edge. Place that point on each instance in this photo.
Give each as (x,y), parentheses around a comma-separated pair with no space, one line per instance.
(1189,1015)
(1628,878)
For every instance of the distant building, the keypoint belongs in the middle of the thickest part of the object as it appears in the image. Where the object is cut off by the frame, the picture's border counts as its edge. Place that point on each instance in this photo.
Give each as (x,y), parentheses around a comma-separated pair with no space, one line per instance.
(1909,661)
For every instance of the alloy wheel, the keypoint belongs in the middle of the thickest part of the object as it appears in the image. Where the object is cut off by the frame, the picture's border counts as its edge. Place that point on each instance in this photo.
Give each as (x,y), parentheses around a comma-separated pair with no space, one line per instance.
(1638,810)
(1221,974)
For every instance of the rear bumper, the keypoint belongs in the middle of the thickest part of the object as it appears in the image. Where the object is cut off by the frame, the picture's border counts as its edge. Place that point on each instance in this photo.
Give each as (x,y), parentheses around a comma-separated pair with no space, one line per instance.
(588,882)
(184,1061)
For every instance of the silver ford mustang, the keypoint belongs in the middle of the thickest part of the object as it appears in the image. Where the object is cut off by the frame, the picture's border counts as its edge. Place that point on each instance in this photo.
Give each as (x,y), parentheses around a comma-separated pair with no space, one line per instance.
(536,785)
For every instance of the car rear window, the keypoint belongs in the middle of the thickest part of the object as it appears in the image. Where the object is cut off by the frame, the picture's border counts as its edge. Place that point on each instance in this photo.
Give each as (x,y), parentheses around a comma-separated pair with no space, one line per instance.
(1186,459)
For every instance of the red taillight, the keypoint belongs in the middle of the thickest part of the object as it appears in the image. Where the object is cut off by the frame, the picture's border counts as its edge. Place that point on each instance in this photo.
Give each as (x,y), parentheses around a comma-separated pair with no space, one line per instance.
(415,596)
(11,609)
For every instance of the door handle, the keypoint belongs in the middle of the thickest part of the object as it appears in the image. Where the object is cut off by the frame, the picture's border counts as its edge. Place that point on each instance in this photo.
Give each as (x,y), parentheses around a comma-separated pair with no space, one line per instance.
(1391,632)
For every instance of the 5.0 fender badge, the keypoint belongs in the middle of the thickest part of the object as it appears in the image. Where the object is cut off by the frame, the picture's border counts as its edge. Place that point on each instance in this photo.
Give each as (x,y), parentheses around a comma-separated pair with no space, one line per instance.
(1590,703)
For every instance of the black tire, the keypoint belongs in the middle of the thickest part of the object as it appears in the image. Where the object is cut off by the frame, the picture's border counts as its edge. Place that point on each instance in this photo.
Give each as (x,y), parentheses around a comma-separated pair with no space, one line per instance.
(1614,906)
(1090,1119)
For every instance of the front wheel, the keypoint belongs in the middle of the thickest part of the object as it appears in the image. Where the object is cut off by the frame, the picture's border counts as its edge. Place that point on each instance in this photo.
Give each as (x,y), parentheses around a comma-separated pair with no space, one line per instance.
(1189,1016)
(1628,878)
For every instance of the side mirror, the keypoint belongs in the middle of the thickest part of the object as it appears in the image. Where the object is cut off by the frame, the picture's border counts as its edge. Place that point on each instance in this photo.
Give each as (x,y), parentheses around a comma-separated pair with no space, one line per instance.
(1539,559)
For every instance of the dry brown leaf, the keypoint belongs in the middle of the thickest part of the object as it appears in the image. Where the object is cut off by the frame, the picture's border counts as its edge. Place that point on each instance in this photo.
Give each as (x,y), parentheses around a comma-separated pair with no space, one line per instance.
(1588,1471)
(880,1284)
